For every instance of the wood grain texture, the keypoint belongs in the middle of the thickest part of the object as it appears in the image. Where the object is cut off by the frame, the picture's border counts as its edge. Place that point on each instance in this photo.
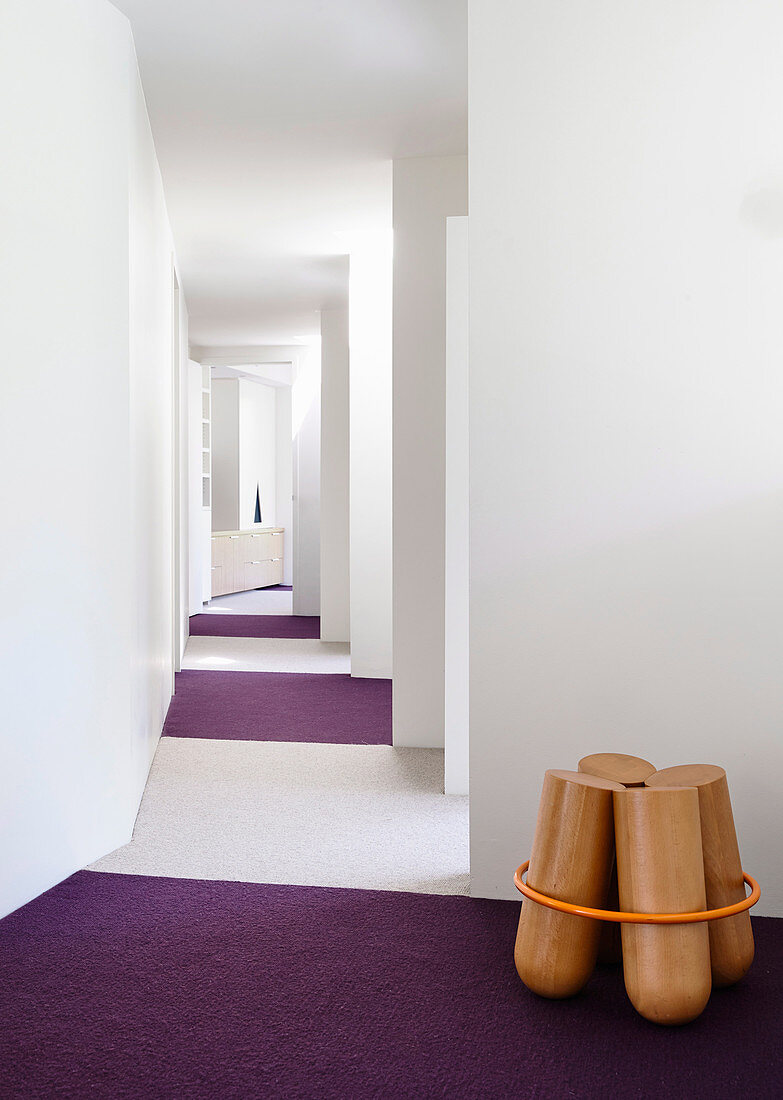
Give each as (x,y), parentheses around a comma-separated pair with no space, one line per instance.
(572,856)
(631,771)
(660,870)
(731,939)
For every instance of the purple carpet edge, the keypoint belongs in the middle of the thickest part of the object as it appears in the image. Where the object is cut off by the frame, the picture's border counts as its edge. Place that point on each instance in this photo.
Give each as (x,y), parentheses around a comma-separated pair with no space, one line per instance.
(308,708)
(218,625)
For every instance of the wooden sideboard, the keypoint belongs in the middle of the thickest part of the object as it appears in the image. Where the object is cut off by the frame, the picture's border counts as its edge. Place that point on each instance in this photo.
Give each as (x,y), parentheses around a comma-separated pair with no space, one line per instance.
(246,559)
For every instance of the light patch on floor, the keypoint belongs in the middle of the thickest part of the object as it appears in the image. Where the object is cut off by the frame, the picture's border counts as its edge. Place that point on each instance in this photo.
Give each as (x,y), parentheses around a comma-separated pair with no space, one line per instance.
(267,655)
(310,815)
(258,601)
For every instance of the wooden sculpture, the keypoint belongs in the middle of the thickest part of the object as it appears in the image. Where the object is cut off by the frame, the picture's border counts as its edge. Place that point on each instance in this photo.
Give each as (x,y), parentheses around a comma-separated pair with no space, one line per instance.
(571,859)
(659,870)
(731,939)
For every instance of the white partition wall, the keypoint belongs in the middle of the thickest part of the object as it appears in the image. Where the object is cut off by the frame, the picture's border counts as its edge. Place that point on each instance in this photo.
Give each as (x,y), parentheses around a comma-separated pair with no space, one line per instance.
(457,474)
(370,297)
(335,477)
(425,190)
(225,454)
(626,367)
(86,299)
(306,427)
(257,453)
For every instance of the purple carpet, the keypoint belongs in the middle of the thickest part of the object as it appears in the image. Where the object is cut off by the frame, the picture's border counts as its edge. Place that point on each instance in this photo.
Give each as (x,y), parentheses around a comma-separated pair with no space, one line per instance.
(125,986)
(281,706)
(256,626)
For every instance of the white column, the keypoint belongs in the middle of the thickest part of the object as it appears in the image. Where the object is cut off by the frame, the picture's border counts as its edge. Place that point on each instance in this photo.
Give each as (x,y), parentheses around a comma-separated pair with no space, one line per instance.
(335,477)
(306,414)
(370,298)
(426,190)
(457,510)
(626,365)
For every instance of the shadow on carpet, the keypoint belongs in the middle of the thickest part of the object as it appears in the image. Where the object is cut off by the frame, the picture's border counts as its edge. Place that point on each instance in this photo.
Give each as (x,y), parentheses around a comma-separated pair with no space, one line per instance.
(126,986)
(281,706)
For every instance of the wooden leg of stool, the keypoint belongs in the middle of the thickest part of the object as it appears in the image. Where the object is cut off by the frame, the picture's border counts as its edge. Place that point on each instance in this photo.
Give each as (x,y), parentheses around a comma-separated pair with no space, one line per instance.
(731,939)
(571,860)
(631,771)
(659,870)
(610,948)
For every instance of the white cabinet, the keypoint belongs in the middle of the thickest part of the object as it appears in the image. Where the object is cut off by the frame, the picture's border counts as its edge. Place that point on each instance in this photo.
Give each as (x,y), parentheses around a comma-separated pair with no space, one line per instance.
(246,559)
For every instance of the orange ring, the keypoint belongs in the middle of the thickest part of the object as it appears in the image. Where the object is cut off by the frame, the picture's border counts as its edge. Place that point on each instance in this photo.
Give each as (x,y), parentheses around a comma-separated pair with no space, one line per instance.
(619,917)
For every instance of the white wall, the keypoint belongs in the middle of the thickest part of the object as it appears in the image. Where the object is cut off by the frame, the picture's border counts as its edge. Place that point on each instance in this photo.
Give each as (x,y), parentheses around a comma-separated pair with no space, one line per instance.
(199,517)
(370,324)
(457,519)
(181,430)
(306,429)
(85,290)
(335,477)
(284,485)
(225,454)
(626,401)
(257,452)
(426,191)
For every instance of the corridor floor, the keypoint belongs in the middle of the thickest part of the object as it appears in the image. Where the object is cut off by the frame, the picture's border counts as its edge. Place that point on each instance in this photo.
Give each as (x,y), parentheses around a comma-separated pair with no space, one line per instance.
(277,767)
(289,921)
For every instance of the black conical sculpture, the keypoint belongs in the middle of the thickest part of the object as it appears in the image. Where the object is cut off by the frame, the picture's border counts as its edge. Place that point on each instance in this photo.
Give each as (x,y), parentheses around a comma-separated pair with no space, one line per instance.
(257,516)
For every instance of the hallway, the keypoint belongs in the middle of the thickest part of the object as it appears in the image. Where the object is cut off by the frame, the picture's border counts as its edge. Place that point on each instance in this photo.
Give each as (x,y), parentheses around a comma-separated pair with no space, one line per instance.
(391,417)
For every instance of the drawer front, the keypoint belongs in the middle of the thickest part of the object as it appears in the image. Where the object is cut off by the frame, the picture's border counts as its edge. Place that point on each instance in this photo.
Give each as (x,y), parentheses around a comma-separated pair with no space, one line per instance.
(260,574)
(221,550)
(218,581)
(265,546)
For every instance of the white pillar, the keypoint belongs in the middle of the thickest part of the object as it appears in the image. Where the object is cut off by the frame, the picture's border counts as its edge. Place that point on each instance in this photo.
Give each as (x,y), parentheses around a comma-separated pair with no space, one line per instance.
(426,191)
(335,477)
(457,578)
(370,298)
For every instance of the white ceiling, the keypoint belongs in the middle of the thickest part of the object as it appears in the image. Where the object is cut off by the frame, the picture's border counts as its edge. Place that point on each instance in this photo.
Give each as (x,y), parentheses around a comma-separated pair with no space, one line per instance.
(275,122)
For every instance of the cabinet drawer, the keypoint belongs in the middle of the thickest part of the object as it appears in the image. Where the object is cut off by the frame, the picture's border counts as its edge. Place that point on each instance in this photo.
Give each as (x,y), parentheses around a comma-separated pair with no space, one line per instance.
(259,574)
(218,581)
(265,545)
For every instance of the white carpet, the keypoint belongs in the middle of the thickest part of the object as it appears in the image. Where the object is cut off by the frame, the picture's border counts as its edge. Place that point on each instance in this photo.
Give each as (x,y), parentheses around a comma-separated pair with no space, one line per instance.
(311,815)
(267,655)
(259,601)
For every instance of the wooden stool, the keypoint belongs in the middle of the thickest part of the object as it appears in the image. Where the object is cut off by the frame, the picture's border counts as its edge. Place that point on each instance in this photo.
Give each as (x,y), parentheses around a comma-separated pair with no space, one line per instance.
(631,771)
(571,860)
(731,939)
(660,870)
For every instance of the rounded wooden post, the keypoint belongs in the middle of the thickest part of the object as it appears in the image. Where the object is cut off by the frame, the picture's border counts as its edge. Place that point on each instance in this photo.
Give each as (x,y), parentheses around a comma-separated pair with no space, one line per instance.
(731,939)
(571,860)
(659,870)
(631,771)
